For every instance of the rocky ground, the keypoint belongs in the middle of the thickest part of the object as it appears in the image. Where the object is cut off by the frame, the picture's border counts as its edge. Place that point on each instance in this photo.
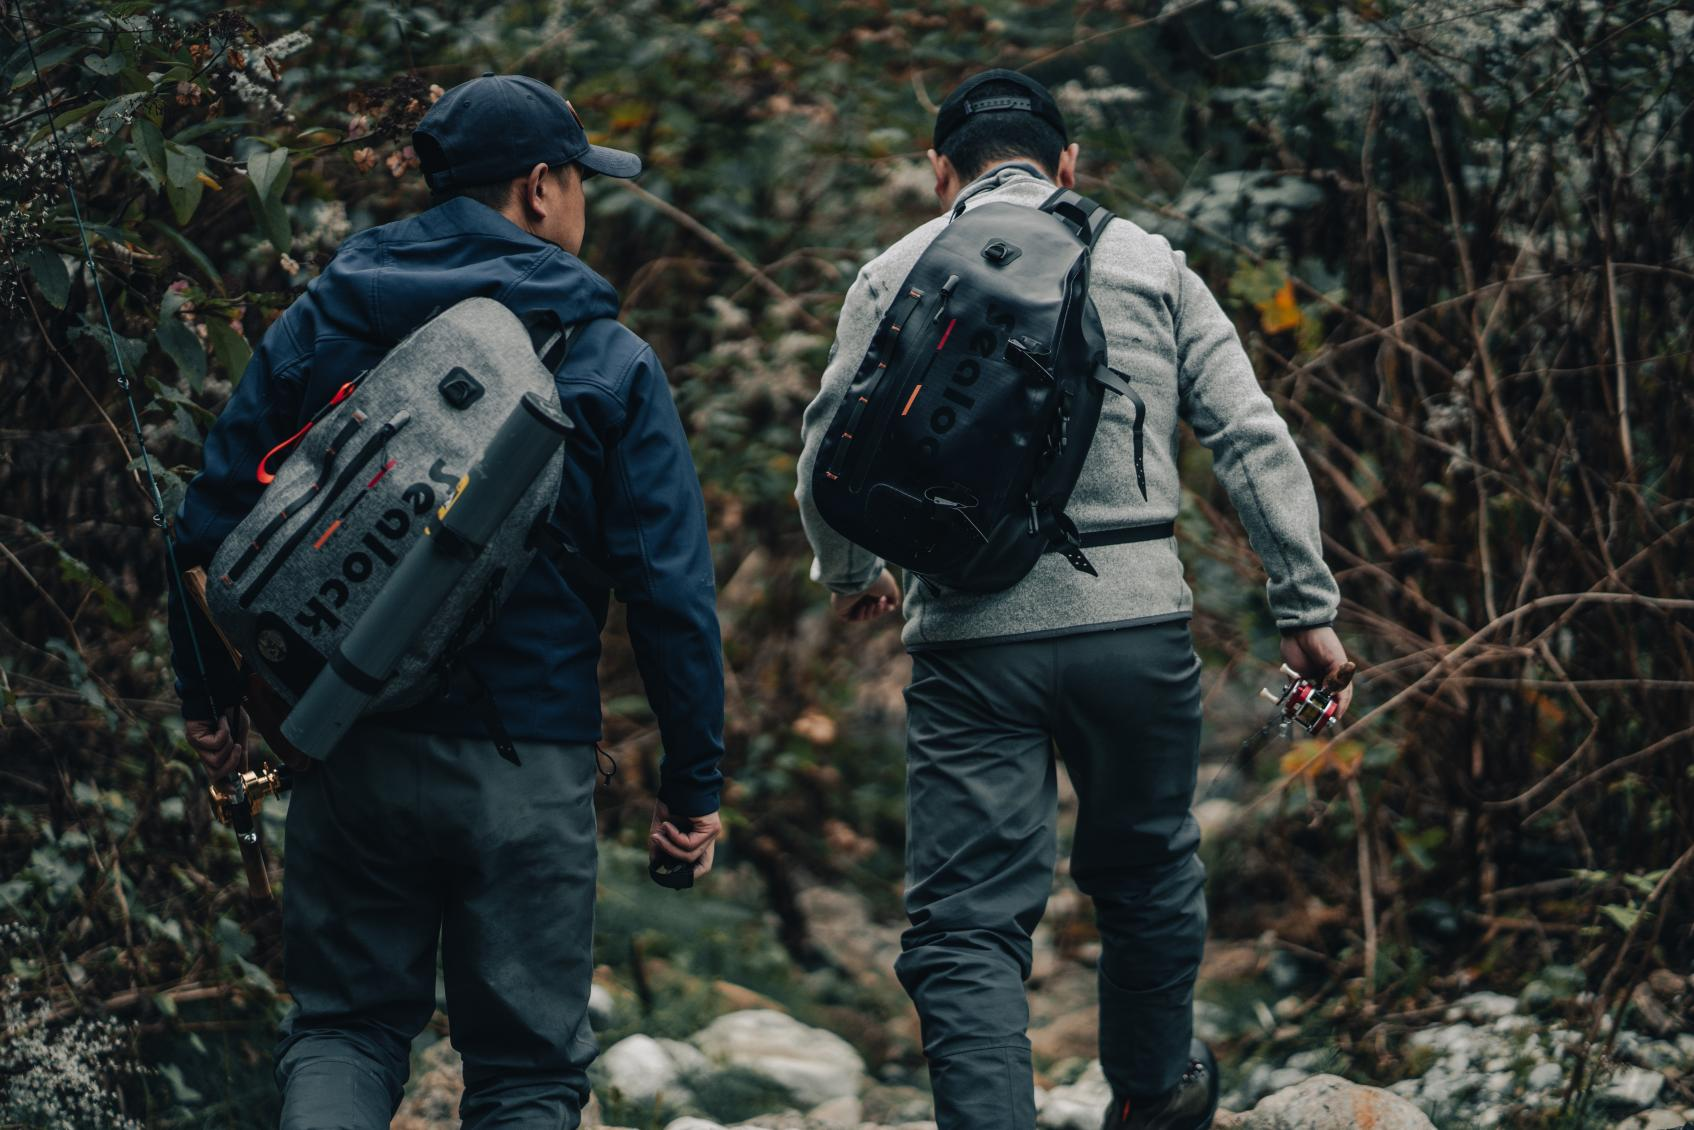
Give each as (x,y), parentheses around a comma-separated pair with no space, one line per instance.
(1490,1062)
(743,1059)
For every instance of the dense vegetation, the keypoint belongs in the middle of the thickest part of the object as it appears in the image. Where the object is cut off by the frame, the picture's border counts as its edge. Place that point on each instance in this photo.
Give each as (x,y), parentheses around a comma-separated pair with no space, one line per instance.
(1456,238)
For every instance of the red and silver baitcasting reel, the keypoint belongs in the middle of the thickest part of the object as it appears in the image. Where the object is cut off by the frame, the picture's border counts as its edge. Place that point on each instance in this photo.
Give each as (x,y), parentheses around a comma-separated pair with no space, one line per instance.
(1307,704)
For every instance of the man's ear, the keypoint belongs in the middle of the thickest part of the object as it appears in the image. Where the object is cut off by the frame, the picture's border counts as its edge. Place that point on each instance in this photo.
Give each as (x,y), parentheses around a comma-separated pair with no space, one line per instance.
(946,177)
(1065,174)
(536,198)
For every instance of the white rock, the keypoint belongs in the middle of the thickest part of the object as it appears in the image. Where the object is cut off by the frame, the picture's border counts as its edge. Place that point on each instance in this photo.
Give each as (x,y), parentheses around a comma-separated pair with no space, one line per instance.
(1657,1055)
(600,1007)
(1079,1105)
(1327,1102)
(639,1069)
(1284,1077)
(1653,1120)
(690,1062)
(844,1113)
(1215,817)
(1482,1007)
(693,1124)
(1544,1078)
(1631,1089)
(814,1066)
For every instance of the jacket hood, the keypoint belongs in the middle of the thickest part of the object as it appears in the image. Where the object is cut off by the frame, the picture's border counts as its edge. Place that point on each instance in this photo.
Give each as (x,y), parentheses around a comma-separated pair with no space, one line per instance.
(386,281)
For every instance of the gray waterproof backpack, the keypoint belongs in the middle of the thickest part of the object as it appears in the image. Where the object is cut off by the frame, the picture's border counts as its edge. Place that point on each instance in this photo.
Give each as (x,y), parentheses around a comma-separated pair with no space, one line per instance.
(381,462)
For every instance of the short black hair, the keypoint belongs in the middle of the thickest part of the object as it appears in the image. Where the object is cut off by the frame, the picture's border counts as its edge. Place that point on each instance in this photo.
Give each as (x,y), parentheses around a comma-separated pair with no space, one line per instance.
(493,194)
(983,139)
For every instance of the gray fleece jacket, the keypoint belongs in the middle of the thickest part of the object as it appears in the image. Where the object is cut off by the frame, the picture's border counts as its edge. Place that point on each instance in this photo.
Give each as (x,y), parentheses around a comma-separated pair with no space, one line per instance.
(1166,331)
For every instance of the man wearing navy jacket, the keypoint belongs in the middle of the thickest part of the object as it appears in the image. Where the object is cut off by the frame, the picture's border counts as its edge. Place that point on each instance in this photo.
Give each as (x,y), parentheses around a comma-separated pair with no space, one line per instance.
(418,830)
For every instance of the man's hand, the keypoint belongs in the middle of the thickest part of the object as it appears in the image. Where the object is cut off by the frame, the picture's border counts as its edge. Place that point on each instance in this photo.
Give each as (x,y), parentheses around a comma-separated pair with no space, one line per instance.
(1317,654)
(881,598)
(222,747)
(696,846)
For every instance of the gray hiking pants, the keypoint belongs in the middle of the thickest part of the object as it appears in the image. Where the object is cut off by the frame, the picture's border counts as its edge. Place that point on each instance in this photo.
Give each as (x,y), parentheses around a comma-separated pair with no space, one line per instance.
(401,842)
(1122,707)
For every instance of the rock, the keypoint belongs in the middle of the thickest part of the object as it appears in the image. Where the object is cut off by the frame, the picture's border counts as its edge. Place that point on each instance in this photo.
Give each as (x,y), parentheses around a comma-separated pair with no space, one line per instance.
(639,1070)
(739,998)
(1212,1022)
(437,1085)
(1630,1090)
(1216,817)
(843,1113)
(600,1008)
(1328,1102)
(1656,1055)
(1651,1012)
(1079,1105)
(814,1066)
(1544,1078)
(892,1104)
(1283,971)
(1482,1008)
(1073,1034)
(693,1124)
(1667,983)
(1654,1120)
(1537,996)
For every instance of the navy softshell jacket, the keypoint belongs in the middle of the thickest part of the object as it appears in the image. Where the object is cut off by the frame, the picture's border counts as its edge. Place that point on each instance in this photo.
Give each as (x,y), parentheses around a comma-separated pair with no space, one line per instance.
(630,499)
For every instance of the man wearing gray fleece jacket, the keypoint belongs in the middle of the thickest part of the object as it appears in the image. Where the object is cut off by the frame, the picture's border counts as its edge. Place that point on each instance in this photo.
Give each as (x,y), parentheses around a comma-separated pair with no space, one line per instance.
(1102,668)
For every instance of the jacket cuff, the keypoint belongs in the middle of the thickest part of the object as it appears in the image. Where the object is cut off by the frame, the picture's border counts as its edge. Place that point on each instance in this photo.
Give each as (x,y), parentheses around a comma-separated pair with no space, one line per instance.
(848,586)
(690,800)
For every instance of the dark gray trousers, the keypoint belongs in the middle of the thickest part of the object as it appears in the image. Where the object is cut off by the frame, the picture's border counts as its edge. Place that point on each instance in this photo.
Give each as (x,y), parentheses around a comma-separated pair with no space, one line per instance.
(1123,709)
(401,842)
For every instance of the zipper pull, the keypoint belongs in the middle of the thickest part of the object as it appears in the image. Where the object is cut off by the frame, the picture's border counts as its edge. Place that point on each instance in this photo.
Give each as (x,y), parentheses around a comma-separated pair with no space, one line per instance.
(946,293)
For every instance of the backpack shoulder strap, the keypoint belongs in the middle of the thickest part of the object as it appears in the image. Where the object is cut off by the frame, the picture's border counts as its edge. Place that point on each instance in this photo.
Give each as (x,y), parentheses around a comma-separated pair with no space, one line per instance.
(550,338)
(1085,215)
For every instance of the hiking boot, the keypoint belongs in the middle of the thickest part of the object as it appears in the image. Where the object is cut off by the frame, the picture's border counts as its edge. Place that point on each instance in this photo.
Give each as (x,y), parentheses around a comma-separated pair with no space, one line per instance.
(1189,1106)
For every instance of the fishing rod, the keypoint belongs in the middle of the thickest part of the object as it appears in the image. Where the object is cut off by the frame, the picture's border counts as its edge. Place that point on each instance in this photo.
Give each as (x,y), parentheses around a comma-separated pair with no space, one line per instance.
(236,801)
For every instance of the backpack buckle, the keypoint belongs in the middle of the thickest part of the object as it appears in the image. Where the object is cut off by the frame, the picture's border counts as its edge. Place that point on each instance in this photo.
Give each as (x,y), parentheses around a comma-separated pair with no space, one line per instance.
(1000,253)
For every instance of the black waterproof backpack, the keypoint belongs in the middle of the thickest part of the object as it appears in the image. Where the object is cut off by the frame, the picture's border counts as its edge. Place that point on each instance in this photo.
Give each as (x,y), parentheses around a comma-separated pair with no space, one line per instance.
(963,433)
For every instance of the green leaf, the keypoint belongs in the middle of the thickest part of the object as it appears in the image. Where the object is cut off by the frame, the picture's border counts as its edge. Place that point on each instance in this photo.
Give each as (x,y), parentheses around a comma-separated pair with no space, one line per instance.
(184,200)
(185,1094)
(150,144)
(44,61)
(267,176)
(121,105)
(183,163)
(1625,917)
(109,65)
(50,275)
(231,348)
(129,349)
(268,172)
(182,345)
(191,250)
(272,217)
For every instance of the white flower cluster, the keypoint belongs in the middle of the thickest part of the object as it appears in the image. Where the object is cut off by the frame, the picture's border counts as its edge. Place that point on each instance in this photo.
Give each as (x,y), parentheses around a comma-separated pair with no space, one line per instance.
(326,225)
(1089,105)
(58,1077)
(253,85)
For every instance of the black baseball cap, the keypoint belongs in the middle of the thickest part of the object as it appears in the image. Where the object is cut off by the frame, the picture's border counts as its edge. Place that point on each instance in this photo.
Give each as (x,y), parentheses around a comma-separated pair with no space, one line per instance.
(959,105)
(496,127)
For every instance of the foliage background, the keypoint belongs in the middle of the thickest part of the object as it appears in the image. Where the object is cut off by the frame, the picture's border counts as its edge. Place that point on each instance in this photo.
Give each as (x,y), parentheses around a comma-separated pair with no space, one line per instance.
(1456,238)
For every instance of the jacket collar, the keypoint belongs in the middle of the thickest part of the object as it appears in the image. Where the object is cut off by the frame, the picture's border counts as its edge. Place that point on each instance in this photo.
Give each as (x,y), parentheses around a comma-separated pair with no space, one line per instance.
(1003,173)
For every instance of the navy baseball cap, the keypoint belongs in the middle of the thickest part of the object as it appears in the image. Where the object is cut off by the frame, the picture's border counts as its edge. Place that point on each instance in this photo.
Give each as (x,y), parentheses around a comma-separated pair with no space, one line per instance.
(1034,99)
(497,127)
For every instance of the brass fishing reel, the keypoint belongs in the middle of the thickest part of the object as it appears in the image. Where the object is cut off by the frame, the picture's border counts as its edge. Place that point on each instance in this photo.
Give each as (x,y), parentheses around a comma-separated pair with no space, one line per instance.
(235,802)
